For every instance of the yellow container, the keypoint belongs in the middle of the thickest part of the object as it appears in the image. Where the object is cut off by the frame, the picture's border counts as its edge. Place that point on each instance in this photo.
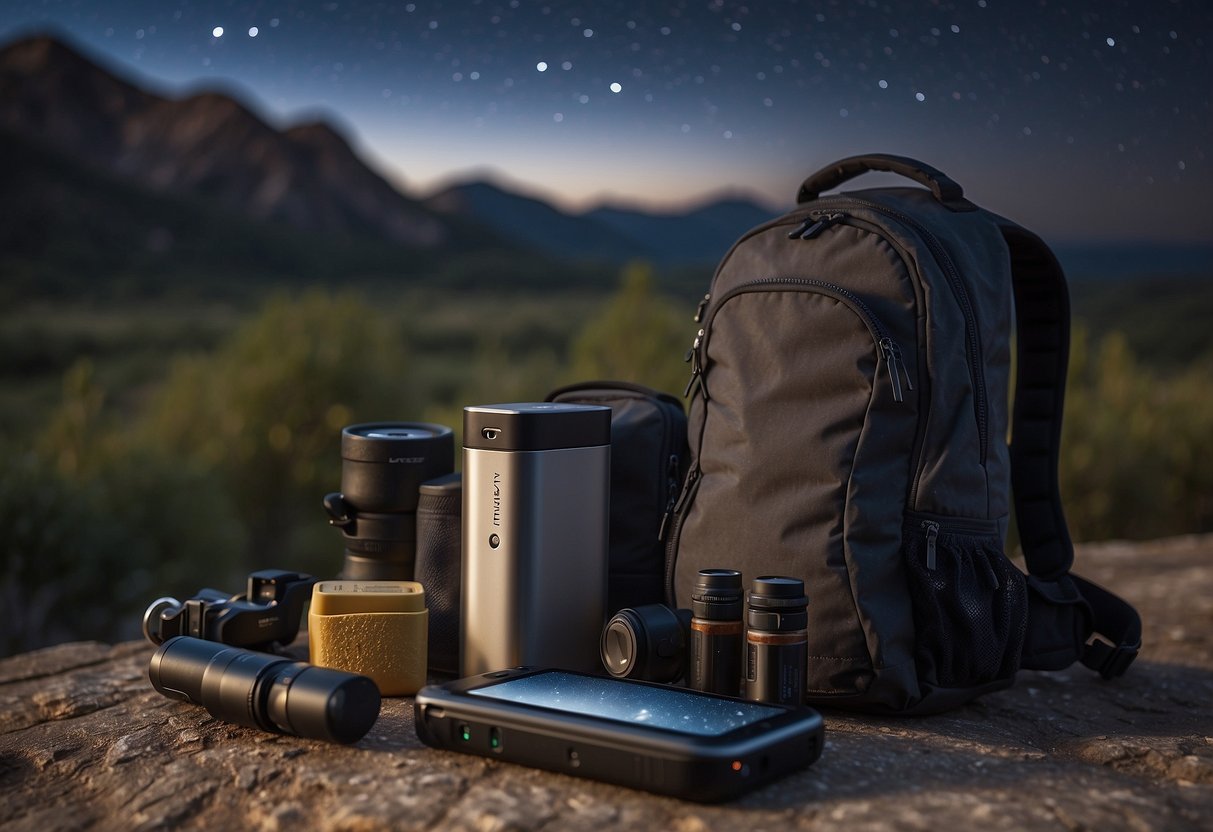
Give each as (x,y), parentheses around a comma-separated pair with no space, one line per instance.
(376,628)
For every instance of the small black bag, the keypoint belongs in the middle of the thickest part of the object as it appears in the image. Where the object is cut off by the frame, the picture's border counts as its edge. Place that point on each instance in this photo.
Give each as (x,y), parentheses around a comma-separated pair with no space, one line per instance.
(648,462)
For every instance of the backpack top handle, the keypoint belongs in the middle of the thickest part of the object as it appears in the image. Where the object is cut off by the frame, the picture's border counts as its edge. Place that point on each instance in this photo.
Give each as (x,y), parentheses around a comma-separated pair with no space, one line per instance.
(945,189)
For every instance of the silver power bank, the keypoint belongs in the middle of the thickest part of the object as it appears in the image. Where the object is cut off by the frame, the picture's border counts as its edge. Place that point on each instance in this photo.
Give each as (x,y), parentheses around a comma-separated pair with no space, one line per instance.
(536,485)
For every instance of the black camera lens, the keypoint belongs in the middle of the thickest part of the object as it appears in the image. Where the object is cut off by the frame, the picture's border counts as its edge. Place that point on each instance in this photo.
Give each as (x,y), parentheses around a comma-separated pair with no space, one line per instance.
(778,603)
(383,465)
(647,642)
(717,594)
(266,692)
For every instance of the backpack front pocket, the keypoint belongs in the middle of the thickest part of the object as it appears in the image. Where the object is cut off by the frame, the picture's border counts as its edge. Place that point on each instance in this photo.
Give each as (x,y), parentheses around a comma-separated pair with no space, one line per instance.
(969,601)
(796,379)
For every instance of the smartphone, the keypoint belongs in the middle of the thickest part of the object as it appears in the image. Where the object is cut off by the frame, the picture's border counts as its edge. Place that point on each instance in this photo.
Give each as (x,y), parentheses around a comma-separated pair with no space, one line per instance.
(674,741)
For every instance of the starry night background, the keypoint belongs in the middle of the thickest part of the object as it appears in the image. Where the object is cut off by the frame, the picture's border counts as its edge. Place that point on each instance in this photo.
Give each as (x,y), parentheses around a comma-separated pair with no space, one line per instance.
(1087,120)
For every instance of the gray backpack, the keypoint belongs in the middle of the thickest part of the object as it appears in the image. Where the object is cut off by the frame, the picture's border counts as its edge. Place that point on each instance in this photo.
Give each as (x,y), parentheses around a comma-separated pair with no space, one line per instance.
(847,427)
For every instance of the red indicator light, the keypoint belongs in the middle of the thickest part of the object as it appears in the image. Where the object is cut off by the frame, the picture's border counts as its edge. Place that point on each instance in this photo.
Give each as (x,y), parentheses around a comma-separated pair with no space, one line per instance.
(736,765)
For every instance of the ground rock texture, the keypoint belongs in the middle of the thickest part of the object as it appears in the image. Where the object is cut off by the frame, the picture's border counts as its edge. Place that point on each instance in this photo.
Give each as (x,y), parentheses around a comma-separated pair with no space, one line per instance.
(85,741)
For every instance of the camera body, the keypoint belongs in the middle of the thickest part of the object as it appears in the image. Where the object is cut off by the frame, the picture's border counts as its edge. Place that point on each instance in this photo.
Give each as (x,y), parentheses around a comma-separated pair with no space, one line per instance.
(265,617)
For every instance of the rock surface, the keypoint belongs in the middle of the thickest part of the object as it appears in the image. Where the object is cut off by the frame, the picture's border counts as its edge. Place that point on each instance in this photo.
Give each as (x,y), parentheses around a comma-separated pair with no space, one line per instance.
(85,741)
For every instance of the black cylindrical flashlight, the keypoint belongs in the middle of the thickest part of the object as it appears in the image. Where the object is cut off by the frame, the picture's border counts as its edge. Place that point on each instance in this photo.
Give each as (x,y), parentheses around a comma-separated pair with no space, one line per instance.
(267,692)
(777,642)
(716,630)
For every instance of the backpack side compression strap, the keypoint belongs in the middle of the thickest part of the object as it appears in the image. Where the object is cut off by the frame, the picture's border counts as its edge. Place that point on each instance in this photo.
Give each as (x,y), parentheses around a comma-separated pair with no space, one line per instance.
(1067,614)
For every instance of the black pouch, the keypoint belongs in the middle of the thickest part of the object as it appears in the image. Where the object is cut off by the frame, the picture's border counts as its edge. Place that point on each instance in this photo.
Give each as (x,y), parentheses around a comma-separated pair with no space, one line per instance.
(648,463)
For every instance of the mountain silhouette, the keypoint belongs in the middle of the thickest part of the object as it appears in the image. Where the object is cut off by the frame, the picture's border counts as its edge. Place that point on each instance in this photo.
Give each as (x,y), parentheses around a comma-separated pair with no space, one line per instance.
(106,177)
(536,224)
(205,145)
(699,236)
(702,235)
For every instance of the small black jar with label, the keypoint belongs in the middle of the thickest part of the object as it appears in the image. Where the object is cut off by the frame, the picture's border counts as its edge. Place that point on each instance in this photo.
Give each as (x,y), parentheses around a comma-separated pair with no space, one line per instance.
(776,640)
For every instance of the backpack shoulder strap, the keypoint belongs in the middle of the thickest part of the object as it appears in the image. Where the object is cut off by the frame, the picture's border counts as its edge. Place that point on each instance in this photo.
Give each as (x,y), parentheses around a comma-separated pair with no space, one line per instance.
(1042,314)
(1067,614)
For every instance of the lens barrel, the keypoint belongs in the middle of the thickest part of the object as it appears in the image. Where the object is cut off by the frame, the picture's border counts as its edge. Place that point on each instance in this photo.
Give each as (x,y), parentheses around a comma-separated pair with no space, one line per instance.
(383,465)
(267,692)
(716,632)
(776,640)
(647,642)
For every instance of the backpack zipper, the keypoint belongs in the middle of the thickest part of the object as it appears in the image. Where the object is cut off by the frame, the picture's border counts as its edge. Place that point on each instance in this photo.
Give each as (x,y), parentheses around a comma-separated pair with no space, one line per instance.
(932,529)
(932,525)
(671,487)
(696,368)
(814,224)
(889,348)
(678,517)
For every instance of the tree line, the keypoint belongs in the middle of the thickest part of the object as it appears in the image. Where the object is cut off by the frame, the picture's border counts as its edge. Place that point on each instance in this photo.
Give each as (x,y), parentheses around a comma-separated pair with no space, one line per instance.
(221,467)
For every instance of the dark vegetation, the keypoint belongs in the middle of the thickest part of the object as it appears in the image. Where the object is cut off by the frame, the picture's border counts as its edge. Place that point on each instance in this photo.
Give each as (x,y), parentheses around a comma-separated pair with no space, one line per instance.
(159,445)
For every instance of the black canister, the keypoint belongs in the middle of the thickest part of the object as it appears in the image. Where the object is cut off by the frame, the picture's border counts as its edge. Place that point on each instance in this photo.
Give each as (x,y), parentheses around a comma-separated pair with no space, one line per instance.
(716,631)
(383,465)
(438,566)
(777,645)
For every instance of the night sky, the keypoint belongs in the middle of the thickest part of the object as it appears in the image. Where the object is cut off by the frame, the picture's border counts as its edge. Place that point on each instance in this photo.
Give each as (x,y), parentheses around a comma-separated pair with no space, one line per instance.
(1086,121)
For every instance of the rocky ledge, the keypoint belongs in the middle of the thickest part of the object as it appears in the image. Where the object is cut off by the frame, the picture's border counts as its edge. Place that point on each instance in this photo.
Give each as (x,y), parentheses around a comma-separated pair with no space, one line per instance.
(85,741)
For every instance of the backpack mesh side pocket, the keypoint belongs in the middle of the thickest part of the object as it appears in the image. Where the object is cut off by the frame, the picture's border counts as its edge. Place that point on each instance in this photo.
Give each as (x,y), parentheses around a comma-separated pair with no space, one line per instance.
(970,604)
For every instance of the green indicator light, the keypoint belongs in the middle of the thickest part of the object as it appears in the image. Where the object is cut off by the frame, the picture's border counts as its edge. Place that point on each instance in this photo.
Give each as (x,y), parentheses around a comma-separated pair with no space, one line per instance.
(494,742)
(465,732)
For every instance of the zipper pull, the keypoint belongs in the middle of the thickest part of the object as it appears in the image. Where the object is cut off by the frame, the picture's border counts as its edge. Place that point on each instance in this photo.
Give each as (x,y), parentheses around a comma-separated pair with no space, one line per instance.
(703,305)
(890,358)
(932,534)
(671,490)
(814,225)
(904,368)
(686,391)
(693,356)
(676,506)
(671,480)
(692,475)
(803,227)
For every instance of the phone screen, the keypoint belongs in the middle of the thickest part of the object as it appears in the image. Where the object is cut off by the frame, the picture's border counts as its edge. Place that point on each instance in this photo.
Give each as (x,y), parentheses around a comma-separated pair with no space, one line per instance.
(674,709)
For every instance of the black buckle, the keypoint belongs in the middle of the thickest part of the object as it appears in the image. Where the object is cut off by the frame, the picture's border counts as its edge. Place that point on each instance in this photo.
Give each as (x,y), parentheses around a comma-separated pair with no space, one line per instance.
(1109,660)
